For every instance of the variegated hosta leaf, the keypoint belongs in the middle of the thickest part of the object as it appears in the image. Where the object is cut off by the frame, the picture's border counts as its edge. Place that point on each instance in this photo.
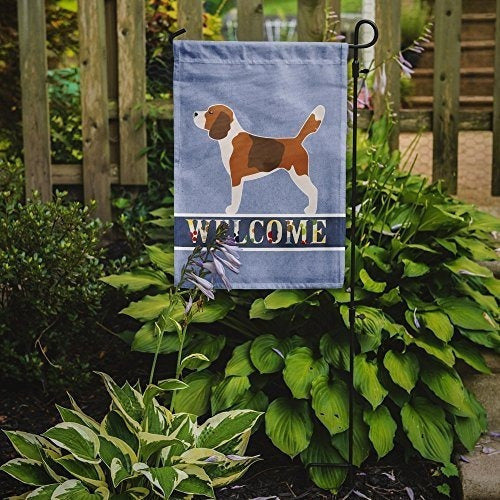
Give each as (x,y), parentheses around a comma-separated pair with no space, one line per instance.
(29,445)
(76,490)
(198,481)
(113,448)
(119,472)
(330,403)
(403,368)
(78,417)
(153,390)
(156,418)
(289,425)
(27,471)
(115,425)
(226,427)
(152,443)
(164,480)
(50,464)
(366,380)
(320,450)
(43,492)
(301,369)
(382,429)
(127,400)
(91,474)
(78,439)
(137,493)
(182,427)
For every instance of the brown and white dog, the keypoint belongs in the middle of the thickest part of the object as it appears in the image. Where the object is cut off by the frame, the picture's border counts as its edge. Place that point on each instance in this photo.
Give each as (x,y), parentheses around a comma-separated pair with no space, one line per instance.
(247,157)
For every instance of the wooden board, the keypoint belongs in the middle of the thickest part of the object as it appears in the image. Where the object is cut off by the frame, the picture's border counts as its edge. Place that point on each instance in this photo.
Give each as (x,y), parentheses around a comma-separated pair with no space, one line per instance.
(311,20)
(448,16)
(131,34)
(94,92)
(495,180)
(250,20)
(35,106)
(190,17)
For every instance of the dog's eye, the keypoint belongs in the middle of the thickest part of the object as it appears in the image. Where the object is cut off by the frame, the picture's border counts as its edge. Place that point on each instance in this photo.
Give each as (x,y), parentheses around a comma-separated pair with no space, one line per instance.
(210,112)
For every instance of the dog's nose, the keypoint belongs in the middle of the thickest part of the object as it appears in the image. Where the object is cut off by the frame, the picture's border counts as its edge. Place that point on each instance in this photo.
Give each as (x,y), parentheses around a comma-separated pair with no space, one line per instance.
(195,113)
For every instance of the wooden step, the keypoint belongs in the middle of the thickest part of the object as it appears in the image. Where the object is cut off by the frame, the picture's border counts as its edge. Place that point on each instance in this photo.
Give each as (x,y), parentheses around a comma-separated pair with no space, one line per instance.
(478,26)
(474,53)
(473,81)
(478,6)
(481,103)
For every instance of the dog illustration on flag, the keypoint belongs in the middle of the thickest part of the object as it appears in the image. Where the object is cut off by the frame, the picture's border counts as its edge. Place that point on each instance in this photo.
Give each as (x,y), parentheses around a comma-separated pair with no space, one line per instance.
(248,157)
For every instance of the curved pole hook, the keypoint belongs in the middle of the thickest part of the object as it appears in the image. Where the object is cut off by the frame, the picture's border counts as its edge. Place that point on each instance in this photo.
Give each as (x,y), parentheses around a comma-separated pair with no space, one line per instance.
(356,45)
(171,36)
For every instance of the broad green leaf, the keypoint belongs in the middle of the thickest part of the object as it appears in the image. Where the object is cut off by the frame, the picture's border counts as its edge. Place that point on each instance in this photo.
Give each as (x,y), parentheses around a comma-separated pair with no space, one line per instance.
(447,245)
(182,427)
(467,267)
(42,493)
(91,474)
(228,392)
(493,286)
(438,323)
(258,311)
(77,439)
(138,279)
(366,380)
(198,481)
(112,448)
(369,284)
(320,450)
(429,432)
(391,298)
(214,310)
(147,339)
(301,369)
(435,347)
(163,480)
(446,384)
(368,325)
(403,368)
(251,400)
(280,299)
(437,218)
(266,355)
(151,443)
(195,398)
(209,346)
(486,339)
(197,356)
(27,471)
(487,302)
(240,363)
(466,314)
(75,490)
(382,429)
(118,472)
(114,425)
(334,347)
(380,256)
(72,415)
(330,403)
(414,269)
(289,425)
(148,308)
(29,445)
(361,448)
(164,260)
(172,384)
(468,430)
(468,353)
(477,249)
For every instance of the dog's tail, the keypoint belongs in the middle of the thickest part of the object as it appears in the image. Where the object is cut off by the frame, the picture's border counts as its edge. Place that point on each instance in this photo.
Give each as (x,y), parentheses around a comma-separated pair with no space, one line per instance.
(313,123)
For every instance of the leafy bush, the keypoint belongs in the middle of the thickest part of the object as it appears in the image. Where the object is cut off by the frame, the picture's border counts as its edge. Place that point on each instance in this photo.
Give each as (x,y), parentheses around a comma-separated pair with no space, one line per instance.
(414,16)
(49,288)
(423,304)
(139,450)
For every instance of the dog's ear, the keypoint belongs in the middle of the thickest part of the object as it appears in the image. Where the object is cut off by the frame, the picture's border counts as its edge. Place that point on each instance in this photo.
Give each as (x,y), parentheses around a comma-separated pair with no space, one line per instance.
(220,126)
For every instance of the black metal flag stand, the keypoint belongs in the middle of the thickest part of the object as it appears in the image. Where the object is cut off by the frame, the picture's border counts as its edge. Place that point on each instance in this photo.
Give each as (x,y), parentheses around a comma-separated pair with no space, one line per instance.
(356,46)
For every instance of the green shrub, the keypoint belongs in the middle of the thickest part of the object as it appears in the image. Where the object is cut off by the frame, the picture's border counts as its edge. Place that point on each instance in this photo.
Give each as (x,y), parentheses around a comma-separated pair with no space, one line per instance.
(423,304)
(49,287)
(139,450)
(414,17)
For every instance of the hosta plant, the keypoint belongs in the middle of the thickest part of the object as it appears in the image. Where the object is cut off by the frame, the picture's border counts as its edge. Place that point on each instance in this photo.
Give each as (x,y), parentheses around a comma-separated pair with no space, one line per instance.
(139,450)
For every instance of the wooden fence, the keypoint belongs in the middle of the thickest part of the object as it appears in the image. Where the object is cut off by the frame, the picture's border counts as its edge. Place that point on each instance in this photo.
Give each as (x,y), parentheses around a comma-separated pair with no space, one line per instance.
(113,82)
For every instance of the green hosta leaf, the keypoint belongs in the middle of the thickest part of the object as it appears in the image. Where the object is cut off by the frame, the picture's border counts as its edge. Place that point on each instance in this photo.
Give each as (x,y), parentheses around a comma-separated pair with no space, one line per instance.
(209,346)
(267,353)
(468,430)
(342,296)
(436,348)
(485,301)
(369,284)
(148,308)
(446,384)
(71,415)
(127,400)
(195,398)
(330,403)
(228,392)
(334,347)
(163,480)
(301,369)
(478,249)
(280,299)
(146,340)
(137,280)
(225,427)
(380,256)
(240,363)
(438,323)
(366,380)
(29,445)
(493,286)
(251,400)
(414,269)
(429,432)
(447,245)
(27,471)
(41,493)
(320,450)
(391,298)
(164,260)
(182,427)
(467,267)
(382,429)
(368,325)
(486,339)
(258,311)
(195,357)
(198,481)
(75,490)
(289,425)
(112,449)
(403,368)
(77,439)
(214,310)
(91,474)
(468,353)
(436,217)
(361,448)
(115,425)
(151,443)
(466,314)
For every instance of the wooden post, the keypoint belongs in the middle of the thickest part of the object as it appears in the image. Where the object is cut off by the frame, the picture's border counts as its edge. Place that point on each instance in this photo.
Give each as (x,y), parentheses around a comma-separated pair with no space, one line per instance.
(94,96)
(447,27)
(495,178)
(250,20)
(190,16)
(131,31)
(311,21)
(35,104)
(387,17)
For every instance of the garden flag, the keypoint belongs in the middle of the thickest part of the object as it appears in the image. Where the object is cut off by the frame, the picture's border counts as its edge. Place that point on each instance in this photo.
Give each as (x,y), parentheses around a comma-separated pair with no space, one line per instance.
(260,138)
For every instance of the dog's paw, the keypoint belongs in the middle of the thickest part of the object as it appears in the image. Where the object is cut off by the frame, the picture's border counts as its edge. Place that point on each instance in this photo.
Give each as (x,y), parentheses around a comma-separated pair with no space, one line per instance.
(230,210)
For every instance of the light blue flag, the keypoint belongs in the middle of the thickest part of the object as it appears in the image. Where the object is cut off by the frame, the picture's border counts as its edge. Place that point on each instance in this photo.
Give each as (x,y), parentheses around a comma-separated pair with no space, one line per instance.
(260,139)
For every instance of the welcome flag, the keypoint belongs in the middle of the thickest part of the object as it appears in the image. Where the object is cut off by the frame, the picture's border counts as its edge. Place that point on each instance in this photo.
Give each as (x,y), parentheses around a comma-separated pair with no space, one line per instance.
(260,138)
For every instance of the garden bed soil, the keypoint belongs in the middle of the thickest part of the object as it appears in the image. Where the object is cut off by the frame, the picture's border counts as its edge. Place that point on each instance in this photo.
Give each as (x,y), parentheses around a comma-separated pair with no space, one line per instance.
(28,408)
